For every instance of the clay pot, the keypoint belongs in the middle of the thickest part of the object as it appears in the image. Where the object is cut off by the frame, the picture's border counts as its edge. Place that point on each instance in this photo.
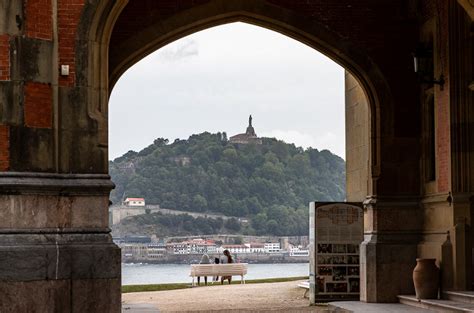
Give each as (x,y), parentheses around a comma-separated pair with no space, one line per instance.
(426,279)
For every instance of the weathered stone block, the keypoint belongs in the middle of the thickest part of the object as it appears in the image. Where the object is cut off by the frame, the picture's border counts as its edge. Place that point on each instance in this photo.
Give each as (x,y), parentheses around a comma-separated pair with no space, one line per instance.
(44,296)
(61,296)
(386,270)
(31,149)
(11,103)
(56,256)
(31,60)
(84,135)
(11,15)
(47,211)
(96,296)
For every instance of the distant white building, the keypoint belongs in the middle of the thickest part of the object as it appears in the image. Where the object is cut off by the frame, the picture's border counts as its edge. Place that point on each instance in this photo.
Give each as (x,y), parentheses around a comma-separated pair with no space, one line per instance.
(178,248)
(156,251)
(256,247)
(195,246)
(235,249)
(138,251)
(143,251)
(272,247)
(298,251)
(134,202)
(131,207)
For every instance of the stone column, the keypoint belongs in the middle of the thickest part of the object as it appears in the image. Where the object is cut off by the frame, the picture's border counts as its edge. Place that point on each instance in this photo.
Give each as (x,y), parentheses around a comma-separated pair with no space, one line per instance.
(357,140)
(56,253)
(389,249)
(461,96)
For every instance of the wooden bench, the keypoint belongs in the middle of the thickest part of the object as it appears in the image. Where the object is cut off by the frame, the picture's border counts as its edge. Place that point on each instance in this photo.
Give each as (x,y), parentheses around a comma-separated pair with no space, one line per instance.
(233,269)
(304,285)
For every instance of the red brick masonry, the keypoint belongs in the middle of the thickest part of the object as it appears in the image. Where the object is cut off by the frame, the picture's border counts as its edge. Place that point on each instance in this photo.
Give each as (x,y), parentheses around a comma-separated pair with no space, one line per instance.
(38,104)
(4,148)
(39,19)
(69,13)
(4,57)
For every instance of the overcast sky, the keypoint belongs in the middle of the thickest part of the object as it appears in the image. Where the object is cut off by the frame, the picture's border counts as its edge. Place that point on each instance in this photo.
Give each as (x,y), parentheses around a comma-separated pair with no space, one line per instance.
(212,80)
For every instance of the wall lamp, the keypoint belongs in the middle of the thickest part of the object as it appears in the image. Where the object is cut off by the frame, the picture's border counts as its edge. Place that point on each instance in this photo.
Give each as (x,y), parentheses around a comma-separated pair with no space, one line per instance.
(424,67)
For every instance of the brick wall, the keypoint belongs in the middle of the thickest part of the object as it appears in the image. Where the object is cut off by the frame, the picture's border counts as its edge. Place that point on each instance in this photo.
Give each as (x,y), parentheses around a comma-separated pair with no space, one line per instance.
(429,10)
(69,13)
(4,57)
(372,24)
(38,22)
(38,104)
(4,148)
(443,131)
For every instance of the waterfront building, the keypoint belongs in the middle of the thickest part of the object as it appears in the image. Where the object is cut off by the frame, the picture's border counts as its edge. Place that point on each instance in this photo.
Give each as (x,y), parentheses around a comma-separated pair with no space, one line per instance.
(234,249)
(156,251)
(120,212)
(299,252)
(272,247)
(142,251)
(194,246)
(135,251)
(139,202)
(256,247)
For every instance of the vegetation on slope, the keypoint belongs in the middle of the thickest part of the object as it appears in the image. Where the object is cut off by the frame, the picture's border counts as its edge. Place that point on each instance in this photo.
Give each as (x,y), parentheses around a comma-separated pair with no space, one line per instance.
(271,183)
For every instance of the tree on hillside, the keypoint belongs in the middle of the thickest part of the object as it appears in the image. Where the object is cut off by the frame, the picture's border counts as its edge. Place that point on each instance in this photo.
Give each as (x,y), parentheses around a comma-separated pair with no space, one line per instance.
(206,173)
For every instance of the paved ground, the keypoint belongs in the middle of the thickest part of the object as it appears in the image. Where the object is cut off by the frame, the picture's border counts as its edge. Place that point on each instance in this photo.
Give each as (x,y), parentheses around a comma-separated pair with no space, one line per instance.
(361,307)
(270,297)
(139,308)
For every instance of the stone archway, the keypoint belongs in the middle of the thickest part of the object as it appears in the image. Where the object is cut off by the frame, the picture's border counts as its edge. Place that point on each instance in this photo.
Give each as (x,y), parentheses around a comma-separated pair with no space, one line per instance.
(103,45)
(53,133)
(371,85)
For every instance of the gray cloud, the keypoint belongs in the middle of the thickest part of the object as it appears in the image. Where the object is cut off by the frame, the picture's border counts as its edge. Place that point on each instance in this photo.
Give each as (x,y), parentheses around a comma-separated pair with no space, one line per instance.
(185,49)
(212,80)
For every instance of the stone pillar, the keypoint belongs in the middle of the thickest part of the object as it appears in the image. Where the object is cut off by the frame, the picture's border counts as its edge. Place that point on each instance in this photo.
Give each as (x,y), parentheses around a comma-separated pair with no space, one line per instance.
(389,249)
(56,253)
(461,72)
(357,140)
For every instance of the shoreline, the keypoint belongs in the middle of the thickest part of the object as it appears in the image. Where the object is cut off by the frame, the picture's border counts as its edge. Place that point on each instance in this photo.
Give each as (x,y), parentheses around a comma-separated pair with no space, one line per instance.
(179,273)
(194,261)
(176,286)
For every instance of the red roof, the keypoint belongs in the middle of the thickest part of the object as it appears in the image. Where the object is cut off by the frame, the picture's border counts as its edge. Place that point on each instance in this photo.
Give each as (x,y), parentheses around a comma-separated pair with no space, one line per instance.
(234,246)
(201,242)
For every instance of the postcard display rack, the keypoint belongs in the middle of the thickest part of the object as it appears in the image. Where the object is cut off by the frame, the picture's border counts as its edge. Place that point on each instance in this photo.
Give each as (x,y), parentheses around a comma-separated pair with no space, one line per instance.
(336,231)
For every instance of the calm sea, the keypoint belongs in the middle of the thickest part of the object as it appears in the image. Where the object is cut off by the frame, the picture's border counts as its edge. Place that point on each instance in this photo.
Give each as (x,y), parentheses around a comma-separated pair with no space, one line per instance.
(135,274)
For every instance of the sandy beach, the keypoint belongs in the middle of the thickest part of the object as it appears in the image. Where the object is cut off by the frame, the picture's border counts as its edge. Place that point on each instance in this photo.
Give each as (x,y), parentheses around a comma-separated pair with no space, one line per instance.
(272,297)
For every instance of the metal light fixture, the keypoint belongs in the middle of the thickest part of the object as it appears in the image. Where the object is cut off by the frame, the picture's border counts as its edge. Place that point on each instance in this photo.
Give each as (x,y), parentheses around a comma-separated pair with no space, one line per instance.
(423,65)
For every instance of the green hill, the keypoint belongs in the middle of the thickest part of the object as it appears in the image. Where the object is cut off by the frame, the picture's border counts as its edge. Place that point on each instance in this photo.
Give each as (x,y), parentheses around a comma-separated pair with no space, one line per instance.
(271,183)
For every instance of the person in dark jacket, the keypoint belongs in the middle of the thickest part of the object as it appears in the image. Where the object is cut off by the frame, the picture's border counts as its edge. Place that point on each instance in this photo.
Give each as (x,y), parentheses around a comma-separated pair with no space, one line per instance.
(227,260)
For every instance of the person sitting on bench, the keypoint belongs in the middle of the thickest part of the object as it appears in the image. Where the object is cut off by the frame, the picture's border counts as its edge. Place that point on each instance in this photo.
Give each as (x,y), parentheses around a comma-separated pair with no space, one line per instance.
(227,260)
(216,261)
(204,260)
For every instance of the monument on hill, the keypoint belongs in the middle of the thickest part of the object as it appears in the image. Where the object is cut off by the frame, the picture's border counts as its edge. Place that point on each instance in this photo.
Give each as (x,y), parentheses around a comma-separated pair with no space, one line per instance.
(248,137)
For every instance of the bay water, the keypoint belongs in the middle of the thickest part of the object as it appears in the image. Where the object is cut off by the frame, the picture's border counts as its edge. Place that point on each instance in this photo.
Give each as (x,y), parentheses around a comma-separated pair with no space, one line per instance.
(137,274)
